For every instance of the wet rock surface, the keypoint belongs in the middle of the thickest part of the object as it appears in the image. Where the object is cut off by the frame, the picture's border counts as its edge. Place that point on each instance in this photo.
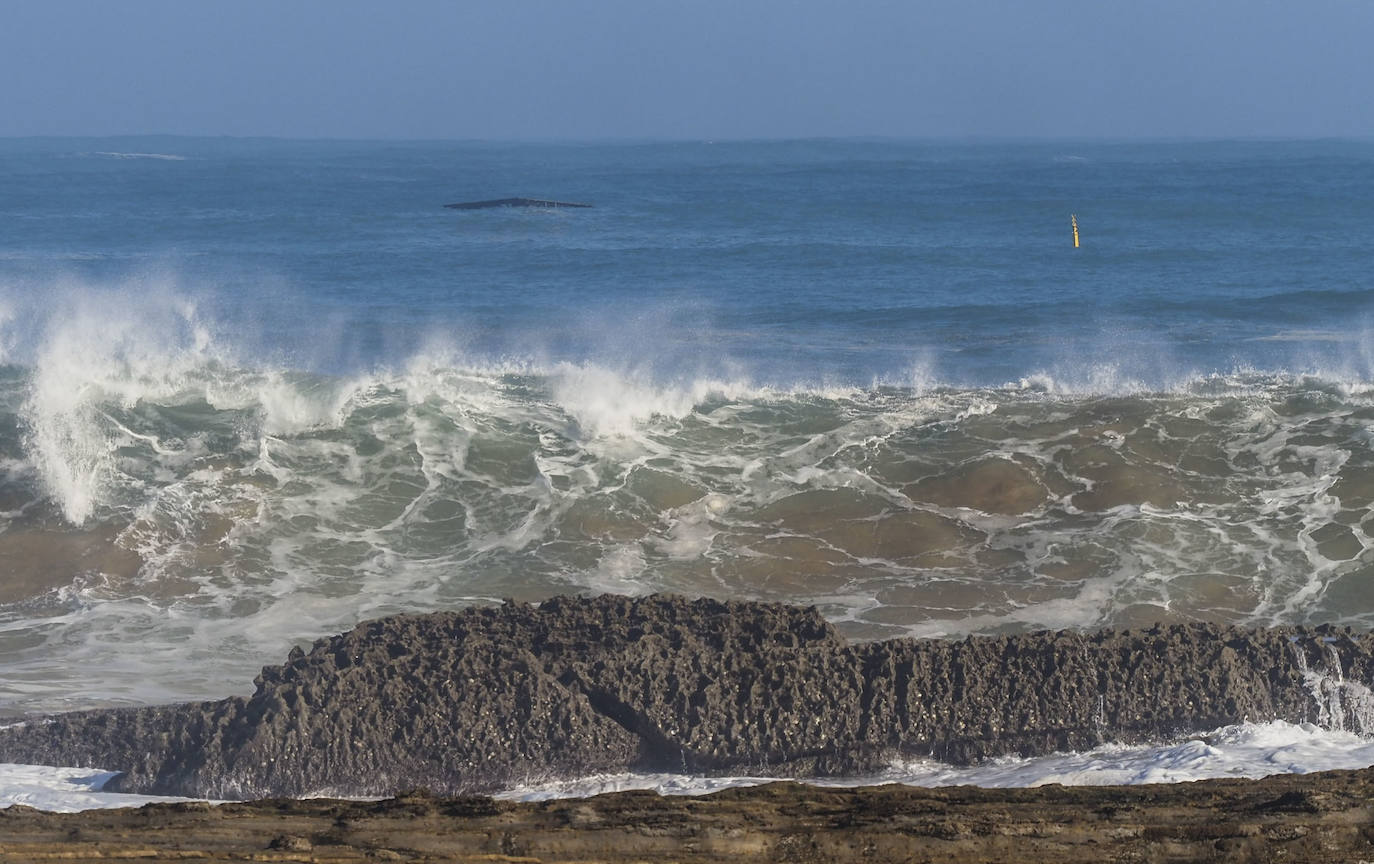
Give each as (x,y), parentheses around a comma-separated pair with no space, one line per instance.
(480,699)
(1310,818)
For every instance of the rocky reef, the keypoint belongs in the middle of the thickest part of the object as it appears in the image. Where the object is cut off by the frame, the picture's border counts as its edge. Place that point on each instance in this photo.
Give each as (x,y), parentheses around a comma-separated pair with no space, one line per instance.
(475,700)
(1312,818)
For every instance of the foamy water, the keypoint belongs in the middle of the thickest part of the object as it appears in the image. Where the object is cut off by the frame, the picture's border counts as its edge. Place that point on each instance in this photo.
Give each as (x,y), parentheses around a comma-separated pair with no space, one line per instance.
(65,790)
(162,490)
(252,393)
(1243,751)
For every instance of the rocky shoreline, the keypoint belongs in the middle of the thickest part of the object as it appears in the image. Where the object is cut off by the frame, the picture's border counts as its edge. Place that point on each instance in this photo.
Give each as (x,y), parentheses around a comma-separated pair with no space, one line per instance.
(1315,818)
(480,699)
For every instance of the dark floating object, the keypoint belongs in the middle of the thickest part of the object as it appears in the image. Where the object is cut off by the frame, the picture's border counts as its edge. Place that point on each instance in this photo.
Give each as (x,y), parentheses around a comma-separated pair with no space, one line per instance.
(511,202)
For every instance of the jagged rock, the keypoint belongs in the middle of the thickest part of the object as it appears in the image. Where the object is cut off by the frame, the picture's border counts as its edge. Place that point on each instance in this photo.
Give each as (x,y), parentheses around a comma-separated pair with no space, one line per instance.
(480,699)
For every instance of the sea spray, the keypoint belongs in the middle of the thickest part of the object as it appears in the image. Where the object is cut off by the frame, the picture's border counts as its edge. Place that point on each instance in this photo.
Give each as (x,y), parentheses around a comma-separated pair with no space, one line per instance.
(945,511)
(855,374)
(100,358)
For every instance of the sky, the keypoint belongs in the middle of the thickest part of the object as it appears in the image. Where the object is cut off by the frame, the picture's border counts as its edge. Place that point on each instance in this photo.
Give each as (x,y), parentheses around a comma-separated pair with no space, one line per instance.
(691,69)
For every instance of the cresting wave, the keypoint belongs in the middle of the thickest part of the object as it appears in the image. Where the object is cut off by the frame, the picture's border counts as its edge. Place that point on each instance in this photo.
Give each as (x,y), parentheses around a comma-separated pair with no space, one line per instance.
(158,490)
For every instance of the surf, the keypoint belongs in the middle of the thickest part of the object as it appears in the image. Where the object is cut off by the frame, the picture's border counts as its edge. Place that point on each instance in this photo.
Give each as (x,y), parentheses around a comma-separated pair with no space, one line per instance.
(227,429)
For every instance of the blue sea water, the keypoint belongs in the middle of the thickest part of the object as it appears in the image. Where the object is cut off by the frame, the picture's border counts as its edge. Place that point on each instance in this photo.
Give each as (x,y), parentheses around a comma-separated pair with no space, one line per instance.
(786,261)
(254,391)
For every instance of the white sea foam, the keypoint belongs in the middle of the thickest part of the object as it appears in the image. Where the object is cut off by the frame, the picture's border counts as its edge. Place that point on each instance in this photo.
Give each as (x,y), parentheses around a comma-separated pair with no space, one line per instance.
(291,405)
(1307,336)
(104,351)
(166,157)
(1249,750)
(608,402)
(65,790)
(250,491)
(620,571)
(7,337)
(325,503)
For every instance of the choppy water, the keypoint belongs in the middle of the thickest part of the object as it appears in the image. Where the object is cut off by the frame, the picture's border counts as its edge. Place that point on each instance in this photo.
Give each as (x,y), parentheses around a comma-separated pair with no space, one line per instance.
(252,392)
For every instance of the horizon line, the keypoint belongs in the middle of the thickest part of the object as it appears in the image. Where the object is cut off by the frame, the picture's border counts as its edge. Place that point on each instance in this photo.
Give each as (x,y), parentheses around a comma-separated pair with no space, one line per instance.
(721,139)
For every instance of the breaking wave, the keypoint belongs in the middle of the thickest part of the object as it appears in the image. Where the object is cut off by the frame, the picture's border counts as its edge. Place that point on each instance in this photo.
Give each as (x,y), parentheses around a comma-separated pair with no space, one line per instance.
(162,486)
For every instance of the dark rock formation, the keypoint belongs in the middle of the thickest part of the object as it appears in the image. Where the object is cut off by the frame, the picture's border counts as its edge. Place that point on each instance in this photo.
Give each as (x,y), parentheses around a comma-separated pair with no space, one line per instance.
(511,202)
(478,699)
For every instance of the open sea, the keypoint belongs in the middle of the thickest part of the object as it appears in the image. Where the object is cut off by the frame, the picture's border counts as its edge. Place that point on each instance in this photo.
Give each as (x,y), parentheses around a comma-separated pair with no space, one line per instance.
(255,391)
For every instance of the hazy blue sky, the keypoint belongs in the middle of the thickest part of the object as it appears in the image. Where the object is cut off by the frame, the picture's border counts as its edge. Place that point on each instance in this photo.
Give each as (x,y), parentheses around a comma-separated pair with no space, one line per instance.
(688,69)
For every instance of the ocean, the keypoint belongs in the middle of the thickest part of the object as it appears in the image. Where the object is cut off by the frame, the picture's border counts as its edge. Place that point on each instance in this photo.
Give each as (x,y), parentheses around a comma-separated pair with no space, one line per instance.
(255,391)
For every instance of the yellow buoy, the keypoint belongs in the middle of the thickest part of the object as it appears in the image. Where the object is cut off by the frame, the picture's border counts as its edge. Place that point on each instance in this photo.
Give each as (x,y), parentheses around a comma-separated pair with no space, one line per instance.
(1074,219)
